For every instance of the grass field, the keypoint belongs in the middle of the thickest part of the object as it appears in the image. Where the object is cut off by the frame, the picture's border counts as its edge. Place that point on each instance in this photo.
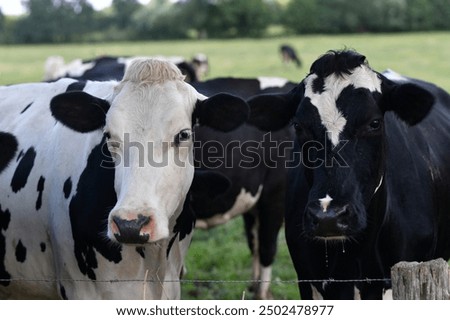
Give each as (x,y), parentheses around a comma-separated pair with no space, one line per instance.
(221,253)
(421,55)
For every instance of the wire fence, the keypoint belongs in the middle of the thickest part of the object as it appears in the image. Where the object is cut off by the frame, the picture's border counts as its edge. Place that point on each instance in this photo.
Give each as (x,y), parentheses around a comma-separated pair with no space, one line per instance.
(208,281)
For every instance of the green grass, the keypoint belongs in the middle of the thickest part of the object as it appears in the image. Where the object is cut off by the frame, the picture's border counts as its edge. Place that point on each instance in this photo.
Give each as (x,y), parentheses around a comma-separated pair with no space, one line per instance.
(420,55)
(222,253)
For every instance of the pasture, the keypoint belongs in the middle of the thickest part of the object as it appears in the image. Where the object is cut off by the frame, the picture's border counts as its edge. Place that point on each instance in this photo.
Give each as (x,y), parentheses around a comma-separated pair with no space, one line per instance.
(221,254)
(421,55)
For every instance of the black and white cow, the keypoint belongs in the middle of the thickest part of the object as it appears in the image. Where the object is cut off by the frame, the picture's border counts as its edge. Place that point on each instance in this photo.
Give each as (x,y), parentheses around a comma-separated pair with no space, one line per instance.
(90,202)
(257,190)
(371,184)
(244,87)
(106,68)
(253,161)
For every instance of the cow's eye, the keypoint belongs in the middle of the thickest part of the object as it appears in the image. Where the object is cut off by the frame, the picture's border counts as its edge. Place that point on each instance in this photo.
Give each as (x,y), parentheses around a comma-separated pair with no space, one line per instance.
(375,125)
(182,136)
(297,126)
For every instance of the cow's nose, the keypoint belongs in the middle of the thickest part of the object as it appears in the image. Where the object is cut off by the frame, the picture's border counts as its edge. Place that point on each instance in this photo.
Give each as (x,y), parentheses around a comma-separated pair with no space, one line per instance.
(129,231)
(333,222)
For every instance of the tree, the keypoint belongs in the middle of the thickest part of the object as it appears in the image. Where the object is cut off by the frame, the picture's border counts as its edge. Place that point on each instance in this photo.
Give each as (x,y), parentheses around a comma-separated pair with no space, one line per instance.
(53,21)
(301,16)
(123,11)
(198,9)
(235,18)
(159,20)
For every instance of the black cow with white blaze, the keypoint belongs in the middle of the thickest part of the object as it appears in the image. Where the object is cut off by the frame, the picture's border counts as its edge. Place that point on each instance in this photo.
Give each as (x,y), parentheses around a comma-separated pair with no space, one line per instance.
(371,184)
(93,179)
(254,162)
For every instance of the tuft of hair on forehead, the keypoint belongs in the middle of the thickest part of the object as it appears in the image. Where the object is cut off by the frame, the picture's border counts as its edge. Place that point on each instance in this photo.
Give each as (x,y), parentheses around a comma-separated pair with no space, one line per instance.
(144,70)
(337,62)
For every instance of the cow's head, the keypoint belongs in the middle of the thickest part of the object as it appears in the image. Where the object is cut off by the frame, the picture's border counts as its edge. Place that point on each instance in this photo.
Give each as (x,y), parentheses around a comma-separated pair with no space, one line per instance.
(148,124)
(338,113)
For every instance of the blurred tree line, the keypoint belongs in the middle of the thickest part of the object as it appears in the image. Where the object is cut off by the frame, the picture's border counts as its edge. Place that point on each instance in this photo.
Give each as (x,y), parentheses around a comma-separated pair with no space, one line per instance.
(57,21)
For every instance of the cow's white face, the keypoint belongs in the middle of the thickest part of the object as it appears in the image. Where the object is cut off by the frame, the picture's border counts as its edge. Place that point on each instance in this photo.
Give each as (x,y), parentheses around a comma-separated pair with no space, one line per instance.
(147,123)
(149,137)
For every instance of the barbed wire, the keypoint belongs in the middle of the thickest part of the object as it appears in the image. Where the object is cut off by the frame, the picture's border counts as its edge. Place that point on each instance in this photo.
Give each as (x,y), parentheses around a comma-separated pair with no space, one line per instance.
(200,280)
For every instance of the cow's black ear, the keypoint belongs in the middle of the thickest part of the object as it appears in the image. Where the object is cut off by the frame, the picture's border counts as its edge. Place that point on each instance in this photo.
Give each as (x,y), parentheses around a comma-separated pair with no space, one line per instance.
(209,184)
(8,148)
(410,102)
(223,112)
(270,112)
(274,111)
(79,110)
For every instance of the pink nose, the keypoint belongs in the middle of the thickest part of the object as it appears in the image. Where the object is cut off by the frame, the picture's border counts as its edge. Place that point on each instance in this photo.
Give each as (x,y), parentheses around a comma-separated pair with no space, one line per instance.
(129,231)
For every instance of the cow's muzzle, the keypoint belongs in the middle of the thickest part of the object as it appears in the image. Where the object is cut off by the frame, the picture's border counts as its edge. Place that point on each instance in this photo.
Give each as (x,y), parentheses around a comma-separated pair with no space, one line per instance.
(333,223)
(130,231)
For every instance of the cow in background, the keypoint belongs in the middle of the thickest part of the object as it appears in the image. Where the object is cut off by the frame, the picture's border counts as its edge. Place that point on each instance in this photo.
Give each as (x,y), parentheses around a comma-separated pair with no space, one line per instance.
(94,182)
(106,68)
(200,64)
(370,187)
(288,54)
(255,163)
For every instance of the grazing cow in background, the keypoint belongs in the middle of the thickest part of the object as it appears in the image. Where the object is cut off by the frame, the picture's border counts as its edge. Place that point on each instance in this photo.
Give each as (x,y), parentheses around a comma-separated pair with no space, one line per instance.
(371,186)
(201,65)
(289,54)
(99,176)
(106,68)
(254,163)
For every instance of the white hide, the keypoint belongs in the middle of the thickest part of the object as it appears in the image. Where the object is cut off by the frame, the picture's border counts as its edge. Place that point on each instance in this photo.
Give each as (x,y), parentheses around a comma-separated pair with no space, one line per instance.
(271,82)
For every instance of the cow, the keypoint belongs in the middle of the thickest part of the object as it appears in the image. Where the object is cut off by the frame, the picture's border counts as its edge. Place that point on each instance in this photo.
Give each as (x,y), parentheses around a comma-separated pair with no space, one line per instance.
(104,68)
(369,185)
(92,193)
(246,156)
(200,64)
(256,191)
(244,87)
(288,54)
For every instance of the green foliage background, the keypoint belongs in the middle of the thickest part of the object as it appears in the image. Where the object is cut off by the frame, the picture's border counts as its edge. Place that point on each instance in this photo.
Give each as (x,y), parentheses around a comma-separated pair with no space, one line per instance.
(60,21)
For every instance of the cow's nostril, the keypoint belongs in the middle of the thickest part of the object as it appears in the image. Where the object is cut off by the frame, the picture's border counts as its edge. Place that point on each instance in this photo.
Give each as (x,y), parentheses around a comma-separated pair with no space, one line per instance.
(334,222)
(129,231)
(312,216)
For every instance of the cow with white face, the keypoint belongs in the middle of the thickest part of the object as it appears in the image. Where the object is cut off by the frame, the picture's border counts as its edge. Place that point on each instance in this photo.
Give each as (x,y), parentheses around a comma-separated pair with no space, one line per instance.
(370,185)
(95,181)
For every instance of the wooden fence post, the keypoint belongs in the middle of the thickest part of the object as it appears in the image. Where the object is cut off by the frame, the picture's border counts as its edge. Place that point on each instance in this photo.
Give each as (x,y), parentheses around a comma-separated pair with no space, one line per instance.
(421,281)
